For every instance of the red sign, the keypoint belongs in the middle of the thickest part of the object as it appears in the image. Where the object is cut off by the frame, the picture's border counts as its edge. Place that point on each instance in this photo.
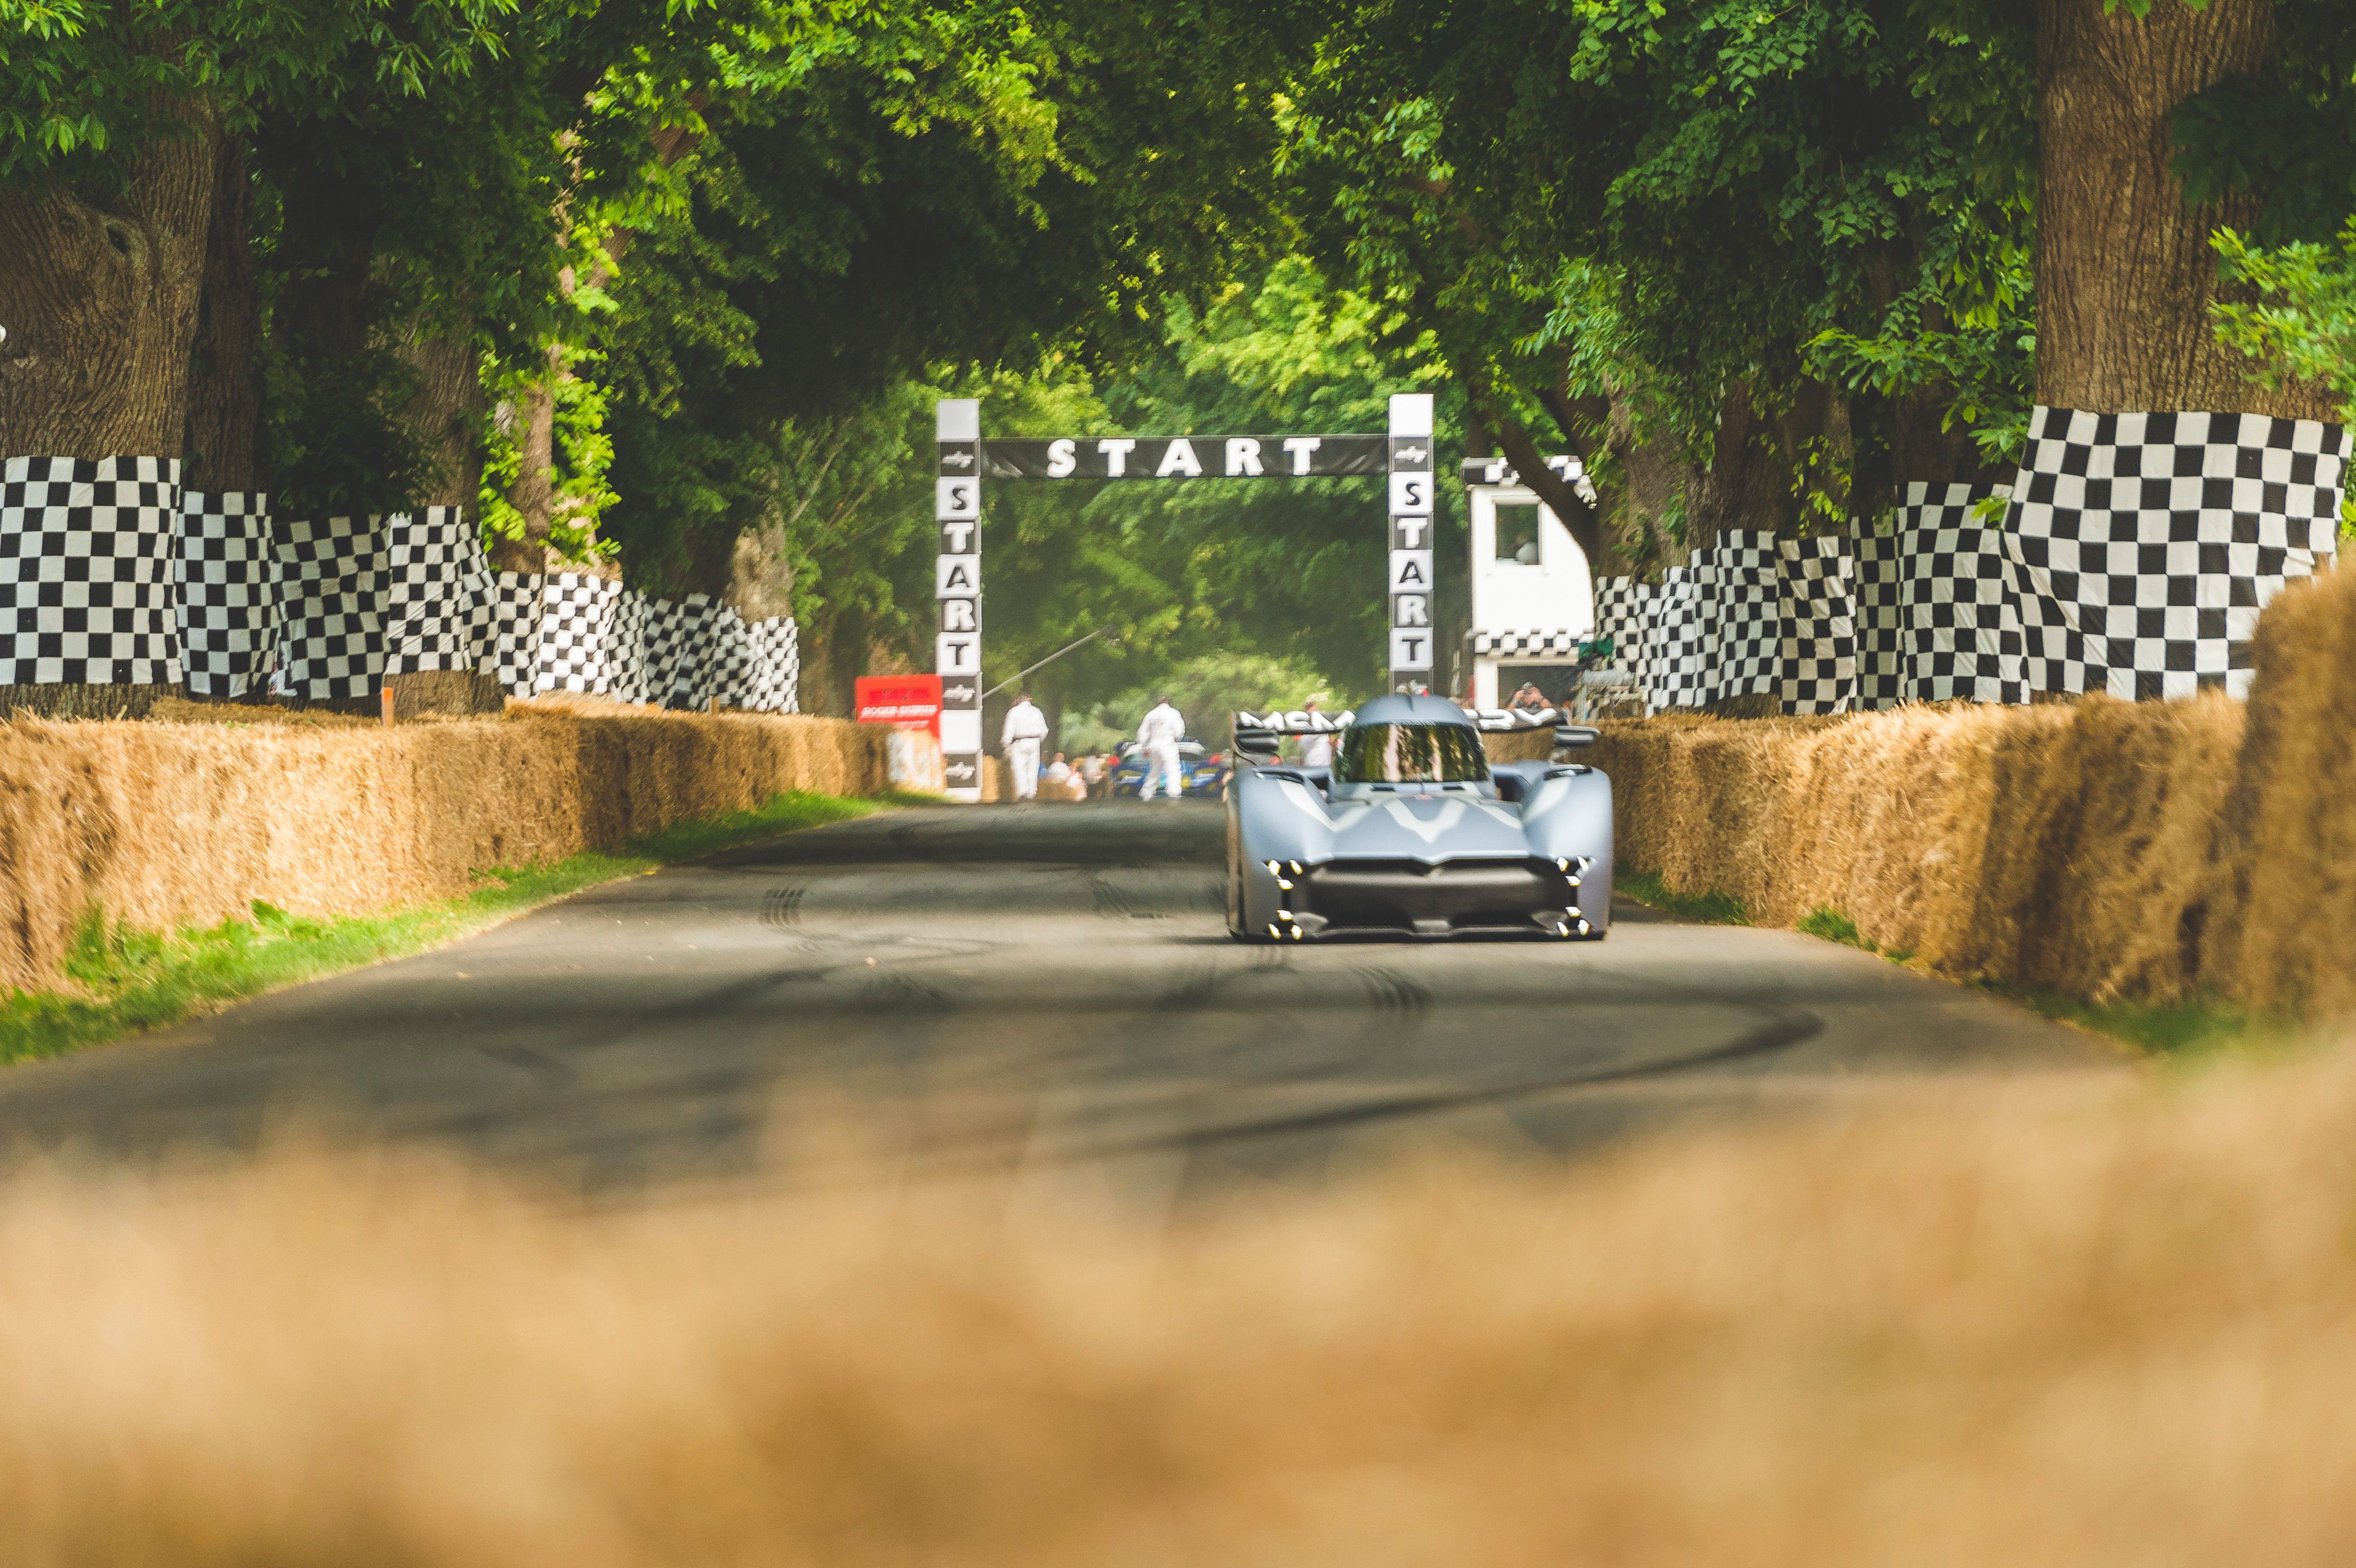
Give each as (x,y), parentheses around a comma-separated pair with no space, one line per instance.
(904,702)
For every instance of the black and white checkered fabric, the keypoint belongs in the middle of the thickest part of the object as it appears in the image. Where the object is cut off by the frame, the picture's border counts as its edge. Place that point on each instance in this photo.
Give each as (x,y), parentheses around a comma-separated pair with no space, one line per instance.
(630,647)
(731,659)
(596,637)
(516,600)
(576,633)
(225,581)
(332,582)
(1879,582)
(679,668)
(1678,671)
(1962,622)
(2143,545)
(773,682)
(86,570)
(1739,577)
(1555,643)
(441,603)
(1816,606)
(1620,617)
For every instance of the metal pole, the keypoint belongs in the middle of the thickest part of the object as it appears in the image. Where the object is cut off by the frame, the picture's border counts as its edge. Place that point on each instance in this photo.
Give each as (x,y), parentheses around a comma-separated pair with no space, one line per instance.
(1045,663)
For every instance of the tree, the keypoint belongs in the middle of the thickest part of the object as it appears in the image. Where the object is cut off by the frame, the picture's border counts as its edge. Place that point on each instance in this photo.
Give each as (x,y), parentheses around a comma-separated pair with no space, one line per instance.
(2126,275)
(113,122)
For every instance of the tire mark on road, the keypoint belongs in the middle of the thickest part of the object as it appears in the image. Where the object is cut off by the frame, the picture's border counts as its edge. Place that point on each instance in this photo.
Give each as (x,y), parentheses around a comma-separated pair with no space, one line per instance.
(1194,989)
(1779,1033)
(1392,991)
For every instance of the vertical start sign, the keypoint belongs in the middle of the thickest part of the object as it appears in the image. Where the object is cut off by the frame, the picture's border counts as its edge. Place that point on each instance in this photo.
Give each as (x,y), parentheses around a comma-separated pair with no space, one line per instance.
(956,585)
(1412,494)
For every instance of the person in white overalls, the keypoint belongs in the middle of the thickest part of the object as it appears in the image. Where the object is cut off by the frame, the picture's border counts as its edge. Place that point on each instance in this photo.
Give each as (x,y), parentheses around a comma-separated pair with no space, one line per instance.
(1158,738)
(1025,727)
(1316,748)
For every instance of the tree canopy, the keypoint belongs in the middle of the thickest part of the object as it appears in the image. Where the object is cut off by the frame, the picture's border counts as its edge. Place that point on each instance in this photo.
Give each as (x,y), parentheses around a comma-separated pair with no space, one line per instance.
(670,288)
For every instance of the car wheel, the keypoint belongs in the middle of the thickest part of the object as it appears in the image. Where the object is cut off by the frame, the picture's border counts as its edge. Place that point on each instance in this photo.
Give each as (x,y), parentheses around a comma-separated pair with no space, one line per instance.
(1235,894)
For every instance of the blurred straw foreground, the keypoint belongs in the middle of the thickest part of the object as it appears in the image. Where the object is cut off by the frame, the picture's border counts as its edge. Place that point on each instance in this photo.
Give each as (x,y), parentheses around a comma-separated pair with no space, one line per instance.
(2019,1333)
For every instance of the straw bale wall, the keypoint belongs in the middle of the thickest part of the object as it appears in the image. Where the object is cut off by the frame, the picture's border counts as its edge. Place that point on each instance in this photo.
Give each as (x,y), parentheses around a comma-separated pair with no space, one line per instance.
(163,823)
(2099,848)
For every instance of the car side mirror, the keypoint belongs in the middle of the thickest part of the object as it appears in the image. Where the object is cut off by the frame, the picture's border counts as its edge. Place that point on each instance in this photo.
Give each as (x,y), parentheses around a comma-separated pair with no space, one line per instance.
(1569,737)
(1257,744)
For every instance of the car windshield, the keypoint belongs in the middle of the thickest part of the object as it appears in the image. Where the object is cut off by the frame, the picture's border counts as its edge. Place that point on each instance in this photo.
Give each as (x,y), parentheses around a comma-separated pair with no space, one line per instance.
(1409,754)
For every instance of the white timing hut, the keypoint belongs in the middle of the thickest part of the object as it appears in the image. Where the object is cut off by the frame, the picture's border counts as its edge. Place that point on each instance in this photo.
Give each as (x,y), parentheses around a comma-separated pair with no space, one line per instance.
(1533,594)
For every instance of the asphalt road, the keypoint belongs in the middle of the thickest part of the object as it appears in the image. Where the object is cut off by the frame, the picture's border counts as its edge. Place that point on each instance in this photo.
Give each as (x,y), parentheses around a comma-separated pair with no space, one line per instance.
(995,987)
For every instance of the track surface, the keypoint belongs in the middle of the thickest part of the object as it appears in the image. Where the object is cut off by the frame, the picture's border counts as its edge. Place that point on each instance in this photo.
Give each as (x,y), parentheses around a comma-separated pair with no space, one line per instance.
(1018,986)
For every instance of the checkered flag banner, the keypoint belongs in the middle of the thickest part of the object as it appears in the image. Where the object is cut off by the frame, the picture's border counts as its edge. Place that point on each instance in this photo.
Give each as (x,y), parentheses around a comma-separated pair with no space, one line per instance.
(773,679)
(1620,617)
(731,659)
(1817,607)
(576,633)
(2142,546)
(225,581)
(516,598)
(593,636)
(679,652)
(1962,620)
(331,582)
(1742,589)
(1879,583)
(1678,671)
(86,568)
(442,601)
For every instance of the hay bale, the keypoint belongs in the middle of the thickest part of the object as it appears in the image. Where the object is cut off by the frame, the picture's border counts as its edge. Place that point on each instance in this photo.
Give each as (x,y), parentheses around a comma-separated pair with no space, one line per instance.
(2073,846)
(2283,936)
(163,823)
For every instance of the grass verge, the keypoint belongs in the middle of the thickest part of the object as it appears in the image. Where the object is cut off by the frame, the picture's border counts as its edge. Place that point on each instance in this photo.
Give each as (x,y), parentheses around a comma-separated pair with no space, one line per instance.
(1710,908)
(127,979)
(2181,1031)
(2178,1030)
(1835,927)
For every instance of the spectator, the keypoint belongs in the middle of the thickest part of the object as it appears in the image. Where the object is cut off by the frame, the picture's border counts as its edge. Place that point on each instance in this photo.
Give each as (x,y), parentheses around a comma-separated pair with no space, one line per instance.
(1025,727)
(1159,736)
(1316,750)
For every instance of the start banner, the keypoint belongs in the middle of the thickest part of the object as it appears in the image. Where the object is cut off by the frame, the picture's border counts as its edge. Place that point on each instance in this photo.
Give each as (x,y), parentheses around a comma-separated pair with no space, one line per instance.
(904,702)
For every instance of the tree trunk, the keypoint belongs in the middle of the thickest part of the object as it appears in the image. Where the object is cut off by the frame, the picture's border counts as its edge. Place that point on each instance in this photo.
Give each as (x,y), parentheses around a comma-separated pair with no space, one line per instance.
(760,579)
(1746,484)
(2124,271)
(447,415)
(1914,449)
(222,446)
(99,299)
(533,494)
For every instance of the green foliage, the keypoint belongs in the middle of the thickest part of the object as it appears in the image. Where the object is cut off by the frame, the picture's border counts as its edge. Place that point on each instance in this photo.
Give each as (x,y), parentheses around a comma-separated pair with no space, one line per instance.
(582,450)
(127,979)
(1835,927)
(1709,907)
(2186,1031)
(1207,690)
(2302,322)
(84,86)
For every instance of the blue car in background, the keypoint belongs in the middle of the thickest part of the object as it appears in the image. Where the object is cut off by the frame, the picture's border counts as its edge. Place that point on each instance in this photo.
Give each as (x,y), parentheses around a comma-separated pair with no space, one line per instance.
(1202,772)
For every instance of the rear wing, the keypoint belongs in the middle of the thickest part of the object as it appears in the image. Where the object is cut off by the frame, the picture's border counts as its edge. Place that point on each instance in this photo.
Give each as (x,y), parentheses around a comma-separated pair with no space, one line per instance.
(1257,734)
(1515,721)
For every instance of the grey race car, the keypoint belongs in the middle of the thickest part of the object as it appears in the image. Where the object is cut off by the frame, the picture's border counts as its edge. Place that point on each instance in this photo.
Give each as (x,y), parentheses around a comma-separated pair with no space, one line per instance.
(1413,832)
